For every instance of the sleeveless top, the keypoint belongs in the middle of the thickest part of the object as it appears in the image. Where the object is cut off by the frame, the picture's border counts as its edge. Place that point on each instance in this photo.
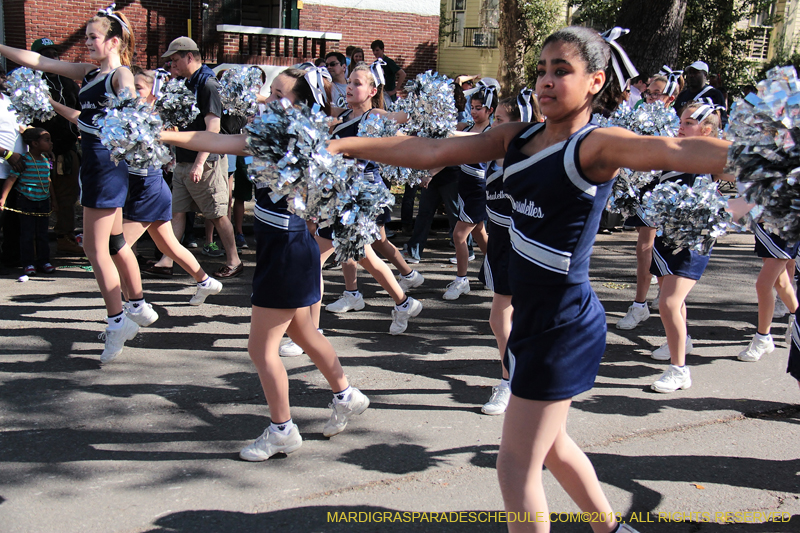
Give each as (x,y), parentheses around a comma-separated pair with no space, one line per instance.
(92,98)
(497,205)
(275,214)
(555,210)
(349,128)
(475,170)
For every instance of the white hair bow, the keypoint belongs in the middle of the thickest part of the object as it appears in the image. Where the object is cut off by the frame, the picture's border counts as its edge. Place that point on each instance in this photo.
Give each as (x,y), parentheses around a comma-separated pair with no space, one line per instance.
(620,61)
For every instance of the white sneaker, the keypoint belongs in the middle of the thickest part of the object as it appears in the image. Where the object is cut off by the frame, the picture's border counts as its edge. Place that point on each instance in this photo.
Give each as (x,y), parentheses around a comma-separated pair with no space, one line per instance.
(115,339)
(454,259)
(343,411)
(456,288)
(673,379)
(789,327)
(144,315)
(634,317)
(291,349)
(214,287)
(757,348)
(780,308)
(498,402)
(346,302)
(653,280)
(400,318)
(270,443)
(414,280)
(662,353)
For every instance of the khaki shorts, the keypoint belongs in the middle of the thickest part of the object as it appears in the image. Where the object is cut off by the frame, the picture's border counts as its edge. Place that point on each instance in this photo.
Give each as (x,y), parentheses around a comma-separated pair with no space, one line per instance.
(208,196)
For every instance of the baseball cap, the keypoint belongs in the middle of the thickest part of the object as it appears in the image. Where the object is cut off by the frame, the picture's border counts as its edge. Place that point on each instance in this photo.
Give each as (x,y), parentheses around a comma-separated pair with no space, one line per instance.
(181,44)
(699,65)
(40,44)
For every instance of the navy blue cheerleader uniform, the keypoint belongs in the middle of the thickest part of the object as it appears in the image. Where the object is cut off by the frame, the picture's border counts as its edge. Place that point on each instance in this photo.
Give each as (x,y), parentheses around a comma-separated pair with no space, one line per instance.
(287,257)
(558,332)
(498,209)
(104,184)
(149,197)
(794,353)
(770,245)
(472,191)
(349,128)
(677,261)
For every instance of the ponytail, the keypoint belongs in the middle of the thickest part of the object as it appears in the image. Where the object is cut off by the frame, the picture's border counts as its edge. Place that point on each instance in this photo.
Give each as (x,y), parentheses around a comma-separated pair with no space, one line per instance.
(118,25)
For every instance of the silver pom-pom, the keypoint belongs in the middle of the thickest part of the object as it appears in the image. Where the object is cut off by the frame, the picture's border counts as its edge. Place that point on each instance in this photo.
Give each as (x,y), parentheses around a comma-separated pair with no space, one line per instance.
(628,189)
(30,95)
(130,129)
(688,217)
(647,119)
(177,105)
(765,130)
(381,126)
(430,105)
(238,90)
(355,212)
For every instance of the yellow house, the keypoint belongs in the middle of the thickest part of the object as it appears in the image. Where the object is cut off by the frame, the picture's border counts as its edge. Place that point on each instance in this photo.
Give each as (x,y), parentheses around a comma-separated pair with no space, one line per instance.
(469,44)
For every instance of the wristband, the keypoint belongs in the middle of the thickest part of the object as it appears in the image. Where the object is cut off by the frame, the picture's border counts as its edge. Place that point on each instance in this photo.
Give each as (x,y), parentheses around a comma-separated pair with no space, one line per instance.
(8,155)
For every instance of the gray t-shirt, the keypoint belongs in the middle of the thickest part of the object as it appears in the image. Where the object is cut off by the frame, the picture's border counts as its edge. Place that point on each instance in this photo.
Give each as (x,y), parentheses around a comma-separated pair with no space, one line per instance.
(339,94)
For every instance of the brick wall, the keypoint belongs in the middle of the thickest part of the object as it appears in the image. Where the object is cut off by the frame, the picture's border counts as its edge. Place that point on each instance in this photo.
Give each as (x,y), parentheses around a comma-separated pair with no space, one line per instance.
(155,23)
(411,40)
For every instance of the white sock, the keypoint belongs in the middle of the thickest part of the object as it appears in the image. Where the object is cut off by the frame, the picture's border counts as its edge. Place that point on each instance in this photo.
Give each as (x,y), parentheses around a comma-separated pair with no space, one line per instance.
(115,322)
(403,306)
(640,305)
(505,383)
(283,428)
(461,278)
(410,275)
(343,396)
(763,337)
(355,293)
(205,283)
(681,368)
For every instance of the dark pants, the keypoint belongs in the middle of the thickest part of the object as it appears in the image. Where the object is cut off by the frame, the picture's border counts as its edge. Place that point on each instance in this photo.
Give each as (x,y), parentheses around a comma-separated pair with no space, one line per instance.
(66,190)
(407,207)
(10,223)
(34,248)
(442,188)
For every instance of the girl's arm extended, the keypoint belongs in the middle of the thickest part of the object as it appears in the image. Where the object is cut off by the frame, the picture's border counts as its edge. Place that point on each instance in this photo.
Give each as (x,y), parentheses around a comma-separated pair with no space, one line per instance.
(74,71)
(424,153)
(606,150)
(205,141)
(65,111)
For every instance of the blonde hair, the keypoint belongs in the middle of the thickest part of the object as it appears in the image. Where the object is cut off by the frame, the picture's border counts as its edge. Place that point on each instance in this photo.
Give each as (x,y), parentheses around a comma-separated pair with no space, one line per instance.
(377,98)
(113,28)
(713,120)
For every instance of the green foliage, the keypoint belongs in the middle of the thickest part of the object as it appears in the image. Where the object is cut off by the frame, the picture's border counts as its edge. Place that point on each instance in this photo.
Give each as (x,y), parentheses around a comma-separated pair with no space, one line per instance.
(543,17)
(710,34)
(598,14)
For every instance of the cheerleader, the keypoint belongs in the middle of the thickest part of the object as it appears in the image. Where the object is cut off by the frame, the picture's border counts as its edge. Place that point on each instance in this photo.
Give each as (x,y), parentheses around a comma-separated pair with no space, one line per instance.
(285,284)
(495,266)
(471,194)
(558,177)
(679,270)
(365,97)
(104,184)
(775,254)
(662,89)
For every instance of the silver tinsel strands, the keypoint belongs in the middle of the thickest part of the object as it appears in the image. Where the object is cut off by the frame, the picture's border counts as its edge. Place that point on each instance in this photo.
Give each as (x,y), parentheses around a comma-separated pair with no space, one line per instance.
(290,158)
(765,156)
(380,126)
(130,129)
(688,217)
(238,89)
(430,105)
(30,95)
(177,105)
(628,189)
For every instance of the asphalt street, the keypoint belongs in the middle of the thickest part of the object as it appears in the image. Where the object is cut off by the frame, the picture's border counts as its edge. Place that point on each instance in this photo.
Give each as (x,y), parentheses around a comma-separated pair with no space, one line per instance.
(150,442)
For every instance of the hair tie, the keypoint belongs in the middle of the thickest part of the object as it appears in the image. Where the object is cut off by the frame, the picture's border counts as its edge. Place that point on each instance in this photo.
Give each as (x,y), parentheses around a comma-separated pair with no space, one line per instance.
(672,79)
(705,110)
(109,12)
(159,80)
(315,77)
(620,61)
(524,103)
(489,93)
(377,72)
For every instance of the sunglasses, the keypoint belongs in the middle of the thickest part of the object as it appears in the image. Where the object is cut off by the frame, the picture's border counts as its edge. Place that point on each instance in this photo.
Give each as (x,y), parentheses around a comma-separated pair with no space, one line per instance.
(332,64)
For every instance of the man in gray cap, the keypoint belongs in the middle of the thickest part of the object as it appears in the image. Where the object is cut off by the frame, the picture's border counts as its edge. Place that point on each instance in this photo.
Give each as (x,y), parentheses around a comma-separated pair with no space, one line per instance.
(200,181)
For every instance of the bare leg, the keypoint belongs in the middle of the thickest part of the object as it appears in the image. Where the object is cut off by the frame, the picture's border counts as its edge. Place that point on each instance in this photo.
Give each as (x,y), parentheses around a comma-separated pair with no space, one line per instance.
(672,308)
(644,256)
(480,236)
(325,251)
(382,274)
(162,234)
(178,225)
(771,270)
(267,326)
(303,332)
(534,435)
(350,272)
(460,233)
(225,230)
(132,231)
(391,253)
(785,289)
(500,321)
